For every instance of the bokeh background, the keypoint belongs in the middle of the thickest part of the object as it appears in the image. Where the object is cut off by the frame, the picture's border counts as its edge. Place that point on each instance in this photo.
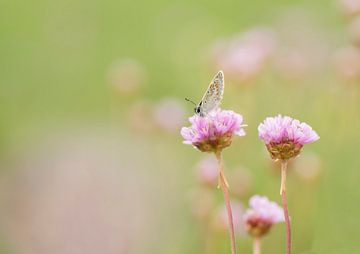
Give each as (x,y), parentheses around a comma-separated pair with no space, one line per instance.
(92,102)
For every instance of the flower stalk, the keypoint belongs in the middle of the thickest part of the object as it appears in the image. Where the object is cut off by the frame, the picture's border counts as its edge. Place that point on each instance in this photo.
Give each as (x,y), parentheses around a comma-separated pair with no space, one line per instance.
(256,245)
(283,177)
(211,133)
(285,206)
(224,187)
(284,138)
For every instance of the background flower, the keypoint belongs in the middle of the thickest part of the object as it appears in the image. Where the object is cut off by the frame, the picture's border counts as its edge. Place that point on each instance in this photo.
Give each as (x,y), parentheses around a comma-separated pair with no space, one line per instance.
(169,114)
(261,215)
(244,56)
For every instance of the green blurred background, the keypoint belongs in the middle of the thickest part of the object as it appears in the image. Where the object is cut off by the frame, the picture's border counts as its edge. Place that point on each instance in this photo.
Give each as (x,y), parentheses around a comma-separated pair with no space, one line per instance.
(88,167)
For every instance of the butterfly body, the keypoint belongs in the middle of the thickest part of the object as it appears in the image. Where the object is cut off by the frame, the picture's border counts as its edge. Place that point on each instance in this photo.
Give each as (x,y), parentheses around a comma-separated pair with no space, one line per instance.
(212,97)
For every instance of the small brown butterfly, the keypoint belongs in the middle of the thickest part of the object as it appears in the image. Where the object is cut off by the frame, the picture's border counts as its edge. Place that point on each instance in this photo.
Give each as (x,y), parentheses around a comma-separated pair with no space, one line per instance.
(212,97)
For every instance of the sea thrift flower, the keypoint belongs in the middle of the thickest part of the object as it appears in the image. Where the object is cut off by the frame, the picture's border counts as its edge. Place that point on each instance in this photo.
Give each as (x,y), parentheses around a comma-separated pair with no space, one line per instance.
(244,56)
(284,136)
(262,215)
(213,132)
(175,114)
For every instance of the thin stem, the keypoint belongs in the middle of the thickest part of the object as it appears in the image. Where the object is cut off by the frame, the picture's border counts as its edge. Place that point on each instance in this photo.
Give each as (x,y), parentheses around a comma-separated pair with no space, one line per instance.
(257,245)
(224,187)
(285,206)
(283,177)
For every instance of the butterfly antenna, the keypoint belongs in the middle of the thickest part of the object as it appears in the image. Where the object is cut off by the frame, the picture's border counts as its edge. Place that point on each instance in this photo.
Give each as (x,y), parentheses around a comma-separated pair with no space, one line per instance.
(190,101)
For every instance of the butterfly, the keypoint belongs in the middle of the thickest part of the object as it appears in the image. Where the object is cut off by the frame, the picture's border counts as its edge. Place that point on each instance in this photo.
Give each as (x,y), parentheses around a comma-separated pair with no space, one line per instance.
(212,97)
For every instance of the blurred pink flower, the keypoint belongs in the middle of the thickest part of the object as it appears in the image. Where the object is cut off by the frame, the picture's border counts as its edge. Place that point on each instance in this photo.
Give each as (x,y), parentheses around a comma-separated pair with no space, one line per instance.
(243,57)
(347,63)
(169,114)
(261,215)
(354,30)
(292,64)
(140,117)
(214,131)
(285,136)
(126,76)
(349,7)
(208,171)
(262,37)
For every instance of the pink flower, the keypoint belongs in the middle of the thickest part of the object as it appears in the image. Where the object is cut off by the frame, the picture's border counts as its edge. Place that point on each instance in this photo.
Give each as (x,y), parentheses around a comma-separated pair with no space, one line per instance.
(214,131)
(174,112)
(354,30)
(285,136)
(261,215)
(347,64)
(349,7)
(244,56)
(208,171)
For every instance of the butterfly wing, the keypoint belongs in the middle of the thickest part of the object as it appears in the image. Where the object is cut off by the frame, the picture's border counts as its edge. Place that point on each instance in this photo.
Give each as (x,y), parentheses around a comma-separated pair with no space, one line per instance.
(213,95)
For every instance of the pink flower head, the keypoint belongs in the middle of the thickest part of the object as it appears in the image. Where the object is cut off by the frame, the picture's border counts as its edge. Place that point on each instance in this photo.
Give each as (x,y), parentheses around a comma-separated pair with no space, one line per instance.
(284,136)
(349,7)
(261,215)
(175,114)
(347,64)
(214,131)
(244,56)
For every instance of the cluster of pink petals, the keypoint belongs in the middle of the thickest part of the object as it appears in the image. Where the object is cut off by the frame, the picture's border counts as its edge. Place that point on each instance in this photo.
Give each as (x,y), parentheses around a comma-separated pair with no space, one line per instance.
(280,129)
(213,127)
(263,210)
